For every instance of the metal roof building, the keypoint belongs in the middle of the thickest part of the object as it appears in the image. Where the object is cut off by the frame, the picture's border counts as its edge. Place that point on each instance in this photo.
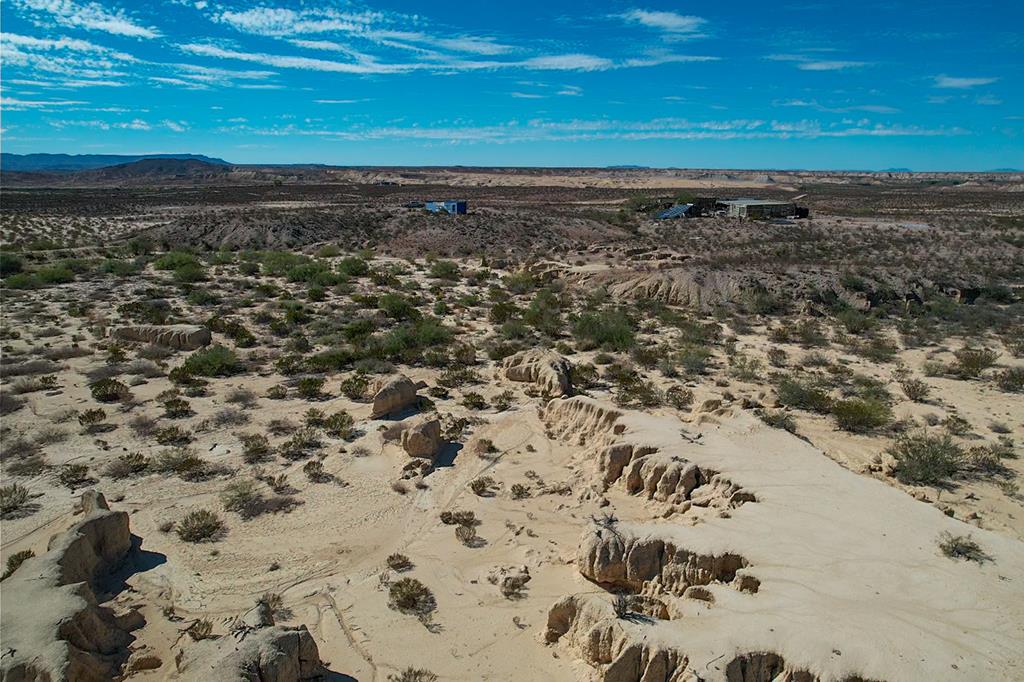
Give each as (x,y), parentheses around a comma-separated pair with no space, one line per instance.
(678,211)
(758,208)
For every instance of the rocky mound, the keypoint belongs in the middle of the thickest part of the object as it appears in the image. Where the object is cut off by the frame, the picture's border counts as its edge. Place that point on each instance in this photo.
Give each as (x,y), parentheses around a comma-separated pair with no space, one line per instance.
(267,652)
(177,336)
(393,394)
(547,369)
(53,627)
(752,594)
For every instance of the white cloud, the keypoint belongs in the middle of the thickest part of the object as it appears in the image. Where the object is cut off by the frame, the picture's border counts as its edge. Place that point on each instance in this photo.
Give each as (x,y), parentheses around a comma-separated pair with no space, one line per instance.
(568,62)
(15,104)
(176,126)
(527,95)
(670,22)
(805,63)
(570,91)
(961,83)
(814,104)
(90,16)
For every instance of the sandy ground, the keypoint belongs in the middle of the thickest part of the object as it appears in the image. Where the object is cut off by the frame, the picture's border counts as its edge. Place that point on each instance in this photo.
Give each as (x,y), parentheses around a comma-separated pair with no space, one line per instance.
(838,549)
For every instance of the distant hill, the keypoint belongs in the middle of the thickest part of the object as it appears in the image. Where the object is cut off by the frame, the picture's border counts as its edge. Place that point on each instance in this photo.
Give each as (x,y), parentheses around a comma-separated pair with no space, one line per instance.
(896,170)
(78,162)
(154,169)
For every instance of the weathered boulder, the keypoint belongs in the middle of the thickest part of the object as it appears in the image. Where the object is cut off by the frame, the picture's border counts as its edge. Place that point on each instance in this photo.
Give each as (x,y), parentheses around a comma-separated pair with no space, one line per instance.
(422,438)
(53,627)
(392,394)
(270,654)
(177,336)
(509,579)
(547,369)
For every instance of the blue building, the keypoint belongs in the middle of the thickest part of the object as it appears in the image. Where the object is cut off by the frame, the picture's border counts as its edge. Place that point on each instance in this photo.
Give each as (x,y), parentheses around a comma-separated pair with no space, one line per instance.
(679,211)
(455,207)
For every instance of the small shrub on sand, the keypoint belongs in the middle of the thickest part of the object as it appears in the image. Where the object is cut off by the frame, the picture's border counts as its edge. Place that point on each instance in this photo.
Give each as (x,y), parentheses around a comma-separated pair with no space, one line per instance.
(922,458)
(215,361)
(778,419)
(1011,380)
(73,475)
(482,485)
(519,491)
(971,362)
(466,534)
(410,596)
(860,415)
(679,397)
(459,517)
(200,525)
(803,396)
(12,498)
(962,547)
(15,560)
(399,562)
(411,674)
(255,447)
(110,391)
(127,465)
(915,390)
(244,497)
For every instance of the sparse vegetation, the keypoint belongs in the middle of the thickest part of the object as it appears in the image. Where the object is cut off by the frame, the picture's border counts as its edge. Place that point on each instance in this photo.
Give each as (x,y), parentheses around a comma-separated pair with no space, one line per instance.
(200,525)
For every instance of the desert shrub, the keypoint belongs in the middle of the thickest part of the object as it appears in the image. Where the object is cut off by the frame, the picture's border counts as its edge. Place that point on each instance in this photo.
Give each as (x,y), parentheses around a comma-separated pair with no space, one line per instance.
(301,445)
(693,360)
(53,274)
(142,426)
(679,397)
(777,357)
(412,674)
(10,264)
(181,462)
(14,561)
(962,547)
(467,535)
(915,389)
(339,425)
(109,391)
(503,401)
(399,562)
(353,266)
(216,361)
(172,435)
(482,485)
(956,425)
(190,274)
(73,475)
(314,470)
(611,330)
(519,491)
(10,404)
(922,458)
(745,368)
(12,498)
(127,465)
(92,419)
(778,419)
(255,447)
(409,595)
(860,415)
(277,392)
(172,260)
(1011,380)
(311,388)
(459,517)
(971,362)
(803,396)
(34,384)
(397,307)
(354,387)
(854,321)
(244,497)
(200,525)
(177,408)
(473,401)
(243,397)
(445,269)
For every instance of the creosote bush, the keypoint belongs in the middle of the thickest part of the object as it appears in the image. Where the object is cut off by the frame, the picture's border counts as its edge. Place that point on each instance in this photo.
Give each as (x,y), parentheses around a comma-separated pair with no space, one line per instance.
(860,415)
(200,525)
(215,361)
(409,595)
(922,458)
(244,497)
(109,391)
(962,547)
(399,562)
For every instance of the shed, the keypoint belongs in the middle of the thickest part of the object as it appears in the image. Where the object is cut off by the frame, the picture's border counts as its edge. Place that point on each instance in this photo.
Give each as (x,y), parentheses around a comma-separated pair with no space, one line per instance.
(453,206)
(758,208)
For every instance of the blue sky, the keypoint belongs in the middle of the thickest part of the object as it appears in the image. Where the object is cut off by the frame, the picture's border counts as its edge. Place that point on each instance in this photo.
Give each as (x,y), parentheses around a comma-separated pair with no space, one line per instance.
(803,84)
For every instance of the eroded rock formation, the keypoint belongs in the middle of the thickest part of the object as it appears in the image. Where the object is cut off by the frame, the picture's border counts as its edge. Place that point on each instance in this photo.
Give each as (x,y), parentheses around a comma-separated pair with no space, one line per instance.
(393,394)
(177,336)
(547,369)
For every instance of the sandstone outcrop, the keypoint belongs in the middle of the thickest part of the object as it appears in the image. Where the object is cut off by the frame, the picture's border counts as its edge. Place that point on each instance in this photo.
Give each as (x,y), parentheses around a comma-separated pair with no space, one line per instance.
(176,336)
(547,369)
(582,420)
(422,438)
(53,627)
(272,653)
(392,394)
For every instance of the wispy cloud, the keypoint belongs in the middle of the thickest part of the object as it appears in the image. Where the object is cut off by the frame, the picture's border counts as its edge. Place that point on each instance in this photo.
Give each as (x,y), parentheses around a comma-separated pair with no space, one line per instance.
(807,63)
(961,83)
(814,104)
(91,16)
(670,22)
(15,104)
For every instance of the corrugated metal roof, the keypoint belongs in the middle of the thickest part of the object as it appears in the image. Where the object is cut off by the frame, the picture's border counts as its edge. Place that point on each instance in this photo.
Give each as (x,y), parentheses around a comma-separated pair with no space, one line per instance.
(675,212)
(754,202)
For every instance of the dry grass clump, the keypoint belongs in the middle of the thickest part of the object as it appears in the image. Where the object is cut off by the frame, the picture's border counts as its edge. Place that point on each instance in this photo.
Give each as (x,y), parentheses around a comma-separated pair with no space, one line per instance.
(411,674)
(399,562)
(971,362)
(127,465)
(200,525)
(15,560)
(243,497)
(13,498)
(962,547)
(255,447)
(74,475)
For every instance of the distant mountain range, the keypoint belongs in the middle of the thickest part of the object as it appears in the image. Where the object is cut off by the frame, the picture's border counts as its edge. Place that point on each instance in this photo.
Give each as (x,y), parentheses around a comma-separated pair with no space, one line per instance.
(60,163)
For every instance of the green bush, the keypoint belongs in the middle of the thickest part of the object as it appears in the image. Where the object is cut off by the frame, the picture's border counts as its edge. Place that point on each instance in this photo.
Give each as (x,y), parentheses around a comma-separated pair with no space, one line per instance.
(173,260)
(397,307)
(611,330)
(860,415)
(190,273)
(353,266)
(1011,380)
(10,264)
(803,396)
(244,497)
(924,458)
(409,595)
(445,269)
(215,361)
(55,274)
(109,391)
(971,362)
